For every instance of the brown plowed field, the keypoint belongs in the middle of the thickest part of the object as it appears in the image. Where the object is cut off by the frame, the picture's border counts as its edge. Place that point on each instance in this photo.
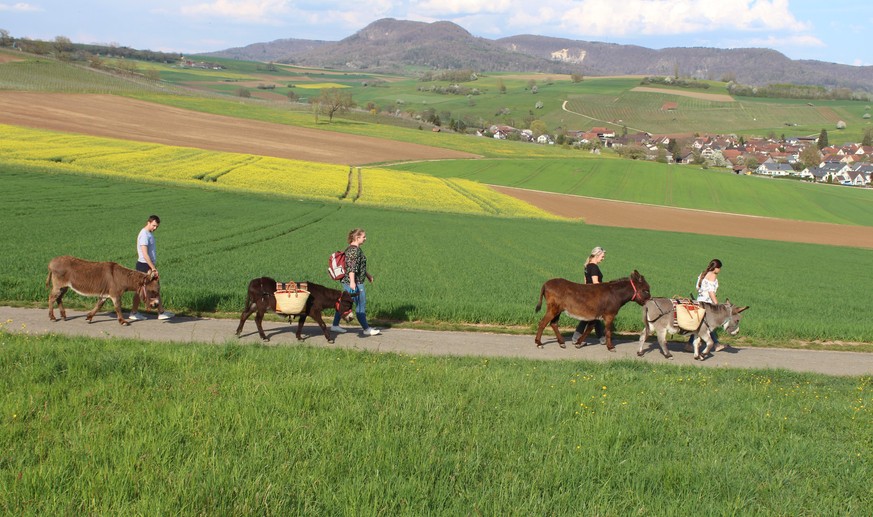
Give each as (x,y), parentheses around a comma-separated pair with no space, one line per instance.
(717,97)
(130,119)
(119,117)
(624,214)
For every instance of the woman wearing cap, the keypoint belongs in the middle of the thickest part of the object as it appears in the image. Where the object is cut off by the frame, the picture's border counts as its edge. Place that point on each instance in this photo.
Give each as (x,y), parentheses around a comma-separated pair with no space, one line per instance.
(707,285)
(593,275)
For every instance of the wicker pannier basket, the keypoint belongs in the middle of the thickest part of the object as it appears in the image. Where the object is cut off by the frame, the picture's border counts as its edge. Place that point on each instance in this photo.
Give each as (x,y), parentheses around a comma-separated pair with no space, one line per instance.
(689,315)
(291,297)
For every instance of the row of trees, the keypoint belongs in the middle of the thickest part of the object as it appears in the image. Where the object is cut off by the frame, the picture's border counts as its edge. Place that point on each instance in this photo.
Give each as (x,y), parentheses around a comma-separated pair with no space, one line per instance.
(796,91)
(63,48)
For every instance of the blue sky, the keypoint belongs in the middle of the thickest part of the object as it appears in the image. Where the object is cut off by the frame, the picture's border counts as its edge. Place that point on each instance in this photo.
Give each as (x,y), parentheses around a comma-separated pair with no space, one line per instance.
(811,29)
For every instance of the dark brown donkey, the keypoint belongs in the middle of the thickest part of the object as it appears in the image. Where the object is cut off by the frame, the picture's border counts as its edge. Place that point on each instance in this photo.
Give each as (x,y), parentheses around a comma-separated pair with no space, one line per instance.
(106,280)
(262,298)
(588,302)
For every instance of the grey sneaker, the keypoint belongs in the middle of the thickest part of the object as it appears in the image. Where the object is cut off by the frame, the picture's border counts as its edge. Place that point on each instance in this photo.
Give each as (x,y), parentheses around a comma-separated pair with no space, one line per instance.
(603,340)
(338,330)
(575,337)
(372,331)
(166,315)
(135,316)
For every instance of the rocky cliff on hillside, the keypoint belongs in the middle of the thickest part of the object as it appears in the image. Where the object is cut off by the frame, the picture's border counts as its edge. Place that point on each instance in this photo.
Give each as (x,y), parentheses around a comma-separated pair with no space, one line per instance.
(394,45)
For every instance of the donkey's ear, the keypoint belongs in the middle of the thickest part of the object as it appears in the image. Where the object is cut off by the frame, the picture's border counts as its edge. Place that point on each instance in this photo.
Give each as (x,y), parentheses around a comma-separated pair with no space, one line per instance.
(635,274)
(151,275)
(741,309)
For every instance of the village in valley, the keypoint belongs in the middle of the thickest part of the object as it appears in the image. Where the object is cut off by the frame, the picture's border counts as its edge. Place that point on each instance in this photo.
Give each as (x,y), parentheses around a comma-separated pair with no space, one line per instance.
(787,157)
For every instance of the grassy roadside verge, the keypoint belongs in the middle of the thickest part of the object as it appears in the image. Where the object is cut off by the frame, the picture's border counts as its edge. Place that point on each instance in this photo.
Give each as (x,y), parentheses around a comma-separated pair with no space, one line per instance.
(124,427)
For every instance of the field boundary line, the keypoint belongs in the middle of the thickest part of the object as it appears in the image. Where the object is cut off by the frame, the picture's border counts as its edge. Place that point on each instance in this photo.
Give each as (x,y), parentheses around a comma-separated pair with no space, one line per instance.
(637,203)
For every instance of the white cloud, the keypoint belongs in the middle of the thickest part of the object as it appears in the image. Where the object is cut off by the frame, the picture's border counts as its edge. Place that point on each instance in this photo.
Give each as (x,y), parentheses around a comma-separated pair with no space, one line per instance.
(261,11)
(19,7)
(663,17)
(442,9)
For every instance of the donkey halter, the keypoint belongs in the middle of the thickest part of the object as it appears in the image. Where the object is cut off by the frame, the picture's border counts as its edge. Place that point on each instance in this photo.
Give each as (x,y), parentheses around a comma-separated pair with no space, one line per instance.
(144,295)
(338,300)
(636,292)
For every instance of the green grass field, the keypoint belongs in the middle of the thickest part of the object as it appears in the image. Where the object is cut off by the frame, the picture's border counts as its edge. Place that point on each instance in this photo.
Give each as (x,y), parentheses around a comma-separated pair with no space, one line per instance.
(429,268)
(124,427)
(668,185)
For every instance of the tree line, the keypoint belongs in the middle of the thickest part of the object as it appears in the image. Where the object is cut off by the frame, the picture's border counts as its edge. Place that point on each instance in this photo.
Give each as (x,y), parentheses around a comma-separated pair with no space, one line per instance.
(796,91)
(62,48)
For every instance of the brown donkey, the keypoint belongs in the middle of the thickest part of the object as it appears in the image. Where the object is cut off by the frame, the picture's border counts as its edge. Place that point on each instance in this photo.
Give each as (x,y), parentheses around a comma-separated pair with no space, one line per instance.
(588,302)
(262,298)
(106,280)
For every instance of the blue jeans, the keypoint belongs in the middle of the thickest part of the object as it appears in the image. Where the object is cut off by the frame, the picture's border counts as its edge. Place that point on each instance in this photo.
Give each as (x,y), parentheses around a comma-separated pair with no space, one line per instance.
(360,306)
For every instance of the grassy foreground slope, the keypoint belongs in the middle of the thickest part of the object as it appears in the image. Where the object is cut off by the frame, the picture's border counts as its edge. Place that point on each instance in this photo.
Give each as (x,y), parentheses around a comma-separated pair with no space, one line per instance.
(120,427)
(432,268)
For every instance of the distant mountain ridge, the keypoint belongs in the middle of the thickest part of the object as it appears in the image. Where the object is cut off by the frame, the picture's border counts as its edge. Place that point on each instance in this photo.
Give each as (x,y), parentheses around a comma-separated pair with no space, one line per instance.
(390,45)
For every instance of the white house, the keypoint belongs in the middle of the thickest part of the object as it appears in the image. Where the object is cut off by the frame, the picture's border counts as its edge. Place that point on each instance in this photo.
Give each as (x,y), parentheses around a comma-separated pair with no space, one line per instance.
(775,169)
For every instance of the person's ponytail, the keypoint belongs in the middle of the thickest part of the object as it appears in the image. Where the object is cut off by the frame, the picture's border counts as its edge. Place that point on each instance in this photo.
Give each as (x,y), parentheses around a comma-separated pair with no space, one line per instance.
(713,265)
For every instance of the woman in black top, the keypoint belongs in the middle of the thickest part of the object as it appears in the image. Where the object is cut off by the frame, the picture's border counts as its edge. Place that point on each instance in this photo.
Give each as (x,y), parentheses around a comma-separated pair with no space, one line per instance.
(353,282)
(593,275)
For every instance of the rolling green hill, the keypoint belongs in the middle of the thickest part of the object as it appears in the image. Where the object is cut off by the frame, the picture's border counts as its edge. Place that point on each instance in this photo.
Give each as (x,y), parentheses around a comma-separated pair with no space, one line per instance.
(495,98)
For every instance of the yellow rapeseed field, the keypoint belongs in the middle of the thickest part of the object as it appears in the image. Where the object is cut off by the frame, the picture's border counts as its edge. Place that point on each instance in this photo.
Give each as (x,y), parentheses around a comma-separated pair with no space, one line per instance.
(82,154)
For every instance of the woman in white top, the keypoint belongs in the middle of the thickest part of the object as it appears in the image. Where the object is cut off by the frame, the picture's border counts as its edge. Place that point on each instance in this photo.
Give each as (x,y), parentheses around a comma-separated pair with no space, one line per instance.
(707,286)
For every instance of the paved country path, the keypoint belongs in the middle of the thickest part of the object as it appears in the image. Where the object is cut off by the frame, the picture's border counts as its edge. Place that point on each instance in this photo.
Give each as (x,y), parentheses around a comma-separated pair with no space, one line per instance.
(421,342)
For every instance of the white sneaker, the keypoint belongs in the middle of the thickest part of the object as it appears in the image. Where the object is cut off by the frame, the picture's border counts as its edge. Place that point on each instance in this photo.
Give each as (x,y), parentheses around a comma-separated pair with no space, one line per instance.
(135,316)
(166,315)
(372,331)
(576,337)
(338,330)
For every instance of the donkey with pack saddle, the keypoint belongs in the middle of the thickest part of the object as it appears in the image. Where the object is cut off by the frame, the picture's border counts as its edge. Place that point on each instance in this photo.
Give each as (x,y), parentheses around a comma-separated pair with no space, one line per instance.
(588,302)
(293,299)
(663,315)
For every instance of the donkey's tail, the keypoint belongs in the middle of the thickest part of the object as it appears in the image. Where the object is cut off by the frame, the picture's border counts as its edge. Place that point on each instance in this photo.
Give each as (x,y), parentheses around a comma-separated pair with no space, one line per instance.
(540,303)
(48,278)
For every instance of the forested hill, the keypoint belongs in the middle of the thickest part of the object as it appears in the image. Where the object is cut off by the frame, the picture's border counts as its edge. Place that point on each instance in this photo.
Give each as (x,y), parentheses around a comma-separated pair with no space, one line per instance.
(393,45)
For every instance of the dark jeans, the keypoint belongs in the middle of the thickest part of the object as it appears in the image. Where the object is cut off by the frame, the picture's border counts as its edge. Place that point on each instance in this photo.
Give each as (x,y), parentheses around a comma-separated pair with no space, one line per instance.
(599,328)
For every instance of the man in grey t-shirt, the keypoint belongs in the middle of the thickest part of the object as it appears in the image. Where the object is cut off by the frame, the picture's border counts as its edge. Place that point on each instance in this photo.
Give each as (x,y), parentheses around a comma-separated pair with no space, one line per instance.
(145,262)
